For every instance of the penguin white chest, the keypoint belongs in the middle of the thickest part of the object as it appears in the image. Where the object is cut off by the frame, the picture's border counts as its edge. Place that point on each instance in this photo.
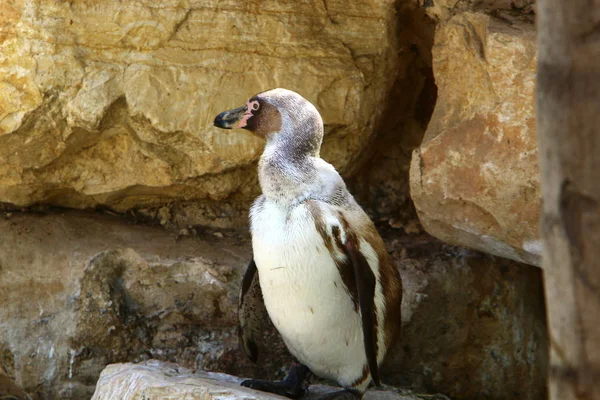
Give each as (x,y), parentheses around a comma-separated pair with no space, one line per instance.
(304,293)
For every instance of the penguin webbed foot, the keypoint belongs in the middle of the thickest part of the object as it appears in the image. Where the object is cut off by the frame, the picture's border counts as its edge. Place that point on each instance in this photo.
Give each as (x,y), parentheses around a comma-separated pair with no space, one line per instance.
(346,394)
(292,386)
(282,388)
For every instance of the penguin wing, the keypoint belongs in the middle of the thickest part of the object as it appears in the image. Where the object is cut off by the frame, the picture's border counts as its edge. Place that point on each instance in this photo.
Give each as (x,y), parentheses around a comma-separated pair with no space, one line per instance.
(251,309)
(333,225)
(365,288)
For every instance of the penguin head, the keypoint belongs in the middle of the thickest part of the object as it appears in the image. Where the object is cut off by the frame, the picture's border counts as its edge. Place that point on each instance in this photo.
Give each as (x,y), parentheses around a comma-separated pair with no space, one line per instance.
(280,116)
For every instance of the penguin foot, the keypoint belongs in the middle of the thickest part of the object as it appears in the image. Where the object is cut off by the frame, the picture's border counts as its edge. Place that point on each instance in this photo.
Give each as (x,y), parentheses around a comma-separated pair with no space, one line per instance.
(281,388)
(292,386)
(346,394)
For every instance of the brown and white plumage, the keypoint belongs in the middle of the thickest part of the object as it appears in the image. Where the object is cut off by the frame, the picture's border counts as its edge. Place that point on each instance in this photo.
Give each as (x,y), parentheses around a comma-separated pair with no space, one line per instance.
(327,282)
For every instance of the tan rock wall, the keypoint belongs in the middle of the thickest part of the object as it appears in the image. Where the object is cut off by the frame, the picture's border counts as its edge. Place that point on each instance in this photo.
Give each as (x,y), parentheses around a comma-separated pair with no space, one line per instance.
(80,291)
(111,104)
(475,178)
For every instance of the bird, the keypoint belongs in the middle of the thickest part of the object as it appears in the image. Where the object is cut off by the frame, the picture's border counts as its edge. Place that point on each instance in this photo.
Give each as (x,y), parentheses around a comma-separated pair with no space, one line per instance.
(319,266)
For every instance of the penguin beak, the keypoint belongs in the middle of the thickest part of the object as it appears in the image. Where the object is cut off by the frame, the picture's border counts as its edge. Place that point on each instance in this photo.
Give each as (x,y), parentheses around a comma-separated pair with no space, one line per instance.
(230,119)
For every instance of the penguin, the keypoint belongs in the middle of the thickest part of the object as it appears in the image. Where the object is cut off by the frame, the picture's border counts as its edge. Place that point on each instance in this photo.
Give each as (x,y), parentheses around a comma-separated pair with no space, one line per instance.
(319,266)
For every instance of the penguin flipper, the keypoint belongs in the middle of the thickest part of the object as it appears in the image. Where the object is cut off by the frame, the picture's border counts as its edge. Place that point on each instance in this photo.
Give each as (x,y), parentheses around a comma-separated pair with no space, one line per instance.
(365,287)
(251,309)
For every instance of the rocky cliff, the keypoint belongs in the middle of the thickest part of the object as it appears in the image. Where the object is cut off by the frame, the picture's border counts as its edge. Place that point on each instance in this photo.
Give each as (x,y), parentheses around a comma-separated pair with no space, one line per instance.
(112,105)
(475,178)
(108,107)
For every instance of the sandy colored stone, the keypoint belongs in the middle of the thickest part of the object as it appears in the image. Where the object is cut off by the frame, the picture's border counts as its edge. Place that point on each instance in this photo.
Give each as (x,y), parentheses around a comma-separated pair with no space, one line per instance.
(475,178)
(443,10)
(155,380)
(83,290)
(111,103)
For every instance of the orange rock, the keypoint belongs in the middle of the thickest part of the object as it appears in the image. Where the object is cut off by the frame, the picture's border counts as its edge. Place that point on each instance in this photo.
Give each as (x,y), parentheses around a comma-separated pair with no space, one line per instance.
(475,178)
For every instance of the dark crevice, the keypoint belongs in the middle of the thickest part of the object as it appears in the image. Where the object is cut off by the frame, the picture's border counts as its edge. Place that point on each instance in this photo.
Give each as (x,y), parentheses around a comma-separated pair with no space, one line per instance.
(382,185)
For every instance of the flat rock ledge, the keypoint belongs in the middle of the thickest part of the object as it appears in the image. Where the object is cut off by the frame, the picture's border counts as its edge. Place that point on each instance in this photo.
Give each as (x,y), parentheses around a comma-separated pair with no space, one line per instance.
(154,380)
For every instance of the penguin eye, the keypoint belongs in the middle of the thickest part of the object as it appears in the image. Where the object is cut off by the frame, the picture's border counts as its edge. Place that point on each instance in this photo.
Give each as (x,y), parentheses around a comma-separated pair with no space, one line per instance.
(255,105)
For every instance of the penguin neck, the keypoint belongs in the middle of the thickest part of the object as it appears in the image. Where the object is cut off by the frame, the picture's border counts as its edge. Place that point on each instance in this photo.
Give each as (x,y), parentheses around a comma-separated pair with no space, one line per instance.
(287,172)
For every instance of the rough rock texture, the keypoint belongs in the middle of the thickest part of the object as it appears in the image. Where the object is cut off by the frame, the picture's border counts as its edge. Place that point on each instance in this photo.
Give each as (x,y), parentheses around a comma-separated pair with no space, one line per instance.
(474,325)
(154,380)
(383,186)
(442,10)
(82,291)
(9,390)
(111,103)
(567,95)
(99,290)
(475,178)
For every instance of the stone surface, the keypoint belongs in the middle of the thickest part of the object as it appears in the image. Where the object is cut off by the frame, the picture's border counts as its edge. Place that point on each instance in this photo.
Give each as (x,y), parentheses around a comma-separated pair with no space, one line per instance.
(443,10)
(382,187)
(9,390)
(111,103)
(473,324)
(568,120)
(84,290)
(475,178)
(81,291)
(154,380)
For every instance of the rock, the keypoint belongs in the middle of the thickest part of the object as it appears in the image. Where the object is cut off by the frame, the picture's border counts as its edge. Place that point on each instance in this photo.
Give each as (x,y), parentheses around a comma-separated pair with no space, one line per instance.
(8,389)
(474,325)
(154,380)
(121,115)
(475,178)
(99,290)
(382,187)
(443,10)
(525,5)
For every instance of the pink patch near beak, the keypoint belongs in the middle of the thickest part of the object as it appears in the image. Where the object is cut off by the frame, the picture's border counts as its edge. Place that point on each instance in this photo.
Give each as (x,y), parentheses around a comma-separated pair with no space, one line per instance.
(248,113)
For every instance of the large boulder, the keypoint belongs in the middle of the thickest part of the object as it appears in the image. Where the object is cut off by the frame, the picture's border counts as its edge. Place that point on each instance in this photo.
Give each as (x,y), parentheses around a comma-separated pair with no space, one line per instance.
(443,10)
(155,380)
(80,291)
(111,103)
(475,178)
(473,325)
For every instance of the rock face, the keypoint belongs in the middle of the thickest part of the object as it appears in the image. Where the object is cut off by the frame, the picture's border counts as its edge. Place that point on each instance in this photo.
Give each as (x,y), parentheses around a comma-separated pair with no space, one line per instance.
(442,10)
(475,178)
(473,324)
(154,380)
(8,389)
(99,290)
(111,104)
